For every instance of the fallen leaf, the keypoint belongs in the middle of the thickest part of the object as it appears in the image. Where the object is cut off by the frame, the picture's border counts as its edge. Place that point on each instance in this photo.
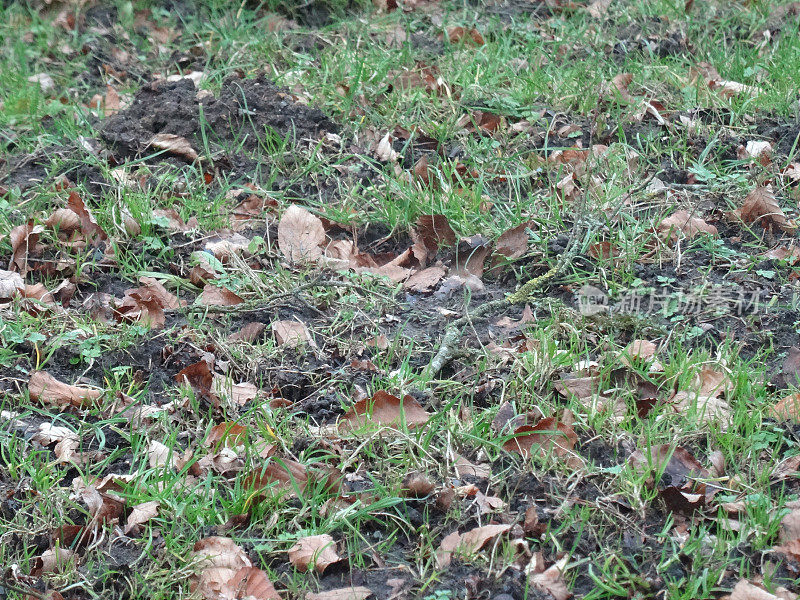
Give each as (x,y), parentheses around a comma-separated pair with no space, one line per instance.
(620,83)
(290,333)
(387,410)
(301,235)
(11,284)
(55,560)
(46,388)
(45,81)
(251,583)
(224,572)
(786,409)
(598,8)
(550,580)
(513,243)
(417,485)
(761,206)
(350,593)
(90,229)
(249,333)
(548,435)
(226,434)
(683,224)
(318,551)
(467,543)
(425,280)
(174,144)
(213,295)
(462,34)
(200,378)
(23,240)
(141,514)
(238,393)
(744,590)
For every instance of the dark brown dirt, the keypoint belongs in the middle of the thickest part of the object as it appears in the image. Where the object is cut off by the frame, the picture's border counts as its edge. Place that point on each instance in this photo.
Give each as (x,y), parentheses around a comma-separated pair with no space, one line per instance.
(240,116)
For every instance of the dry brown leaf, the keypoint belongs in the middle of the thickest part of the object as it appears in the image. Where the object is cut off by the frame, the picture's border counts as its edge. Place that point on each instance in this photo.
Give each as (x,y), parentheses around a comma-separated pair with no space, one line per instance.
(301,235)
(550,580)
(64,220)
(287,474)
(620,83)
(548,436)
(744,590)
(470,36)
(760,206)
(251,583)
(317,551)
(683,223)
(141,514)
(598,8)
(464,467)
(417,485)
(213,295)
(387,410)
(46,388)
(790,524)
(226,573)
(513,243)
(290,333)
(161,455)
(90,229)
(238,393)
(249,332)
(23,240)
(55,560)
(11,284)
(350,593)
(174,144)
(786,409)
(467,543)
(425,280)
(226,434)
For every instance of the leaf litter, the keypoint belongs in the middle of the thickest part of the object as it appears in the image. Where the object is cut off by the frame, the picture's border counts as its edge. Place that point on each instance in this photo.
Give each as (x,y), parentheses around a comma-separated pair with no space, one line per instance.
(214,381)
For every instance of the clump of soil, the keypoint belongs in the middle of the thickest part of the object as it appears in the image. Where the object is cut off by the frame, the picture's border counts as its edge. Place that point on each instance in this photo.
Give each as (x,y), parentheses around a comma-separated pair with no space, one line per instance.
(240,116)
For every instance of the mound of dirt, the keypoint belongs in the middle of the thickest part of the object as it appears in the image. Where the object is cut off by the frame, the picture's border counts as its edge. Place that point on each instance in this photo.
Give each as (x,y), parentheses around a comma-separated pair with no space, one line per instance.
(239,117)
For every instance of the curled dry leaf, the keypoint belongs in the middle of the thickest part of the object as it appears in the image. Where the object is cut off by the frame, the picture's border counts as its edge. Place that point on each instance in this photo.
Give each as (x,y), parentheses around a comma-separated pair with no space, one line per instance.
(384,150)
(386,410)
(224,572)
(683,224)
(141,514)
(317,551)
(11,284)
(46,388)
(301,235)
(226,434)
(467,543)
(23,243)
(174,144)
(55,560)
(550,580)
(760,206)
(786,409)
(417,485)
(90,229)
(470,36)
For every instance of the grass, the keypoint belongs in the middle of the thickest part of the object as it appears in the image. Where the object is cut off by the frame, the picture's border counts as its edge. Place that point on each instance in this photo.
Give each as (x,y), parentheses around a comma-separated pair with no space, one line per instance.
(601,509)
